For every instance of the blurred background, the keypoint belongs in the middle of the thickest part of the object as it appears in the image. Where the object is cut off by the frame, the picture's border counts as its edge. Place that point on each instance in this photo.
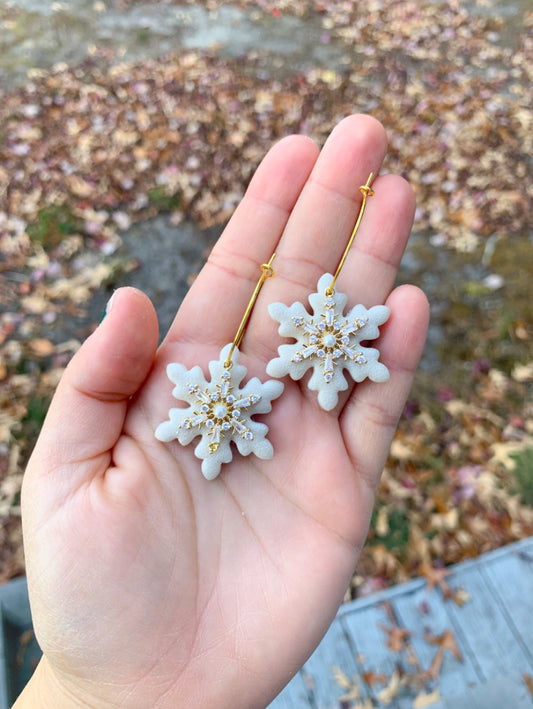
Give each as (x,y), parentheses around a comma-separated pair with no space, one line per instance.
(128,133)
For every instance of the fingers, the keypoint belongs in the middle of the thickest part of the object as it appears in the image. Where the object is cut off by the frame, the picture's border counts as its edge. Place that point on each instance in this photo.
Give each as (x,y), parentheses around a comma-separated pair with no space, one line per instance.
(371,267)
(216,302)
(371,413)
(87,412)
(323,219)
(304,206)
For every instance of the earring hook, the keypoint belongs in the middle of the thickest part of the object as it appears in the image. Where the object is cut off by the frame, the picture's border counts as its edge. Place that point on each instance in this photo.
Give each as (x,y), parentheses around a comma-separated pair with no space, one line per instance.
(266,272)
(367,191)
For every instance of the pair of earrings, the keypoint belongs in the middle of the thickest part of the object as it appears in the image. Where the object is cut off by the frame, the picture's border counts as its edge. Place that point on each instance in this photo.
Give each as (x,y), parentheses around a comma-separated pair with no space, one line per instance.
(221,410)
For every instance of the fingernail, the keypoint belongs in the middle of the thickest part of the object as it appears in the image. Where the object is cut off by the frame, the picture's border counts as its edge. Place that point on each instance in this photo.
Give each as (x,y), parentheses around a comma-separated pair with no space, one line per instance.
(108,307)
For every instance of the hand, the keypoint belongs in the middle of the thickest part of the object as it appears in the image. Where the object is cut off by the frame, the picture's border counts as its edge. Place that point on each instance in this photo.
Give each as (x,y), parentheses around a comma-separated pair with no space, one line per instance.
(152,587)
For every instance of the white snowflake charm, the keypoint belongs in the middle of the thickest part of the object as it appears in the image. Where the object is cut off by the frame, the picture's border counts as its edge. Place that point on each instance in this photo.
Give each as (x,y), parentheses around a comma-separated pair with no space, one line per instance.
(220,412)
(328,342)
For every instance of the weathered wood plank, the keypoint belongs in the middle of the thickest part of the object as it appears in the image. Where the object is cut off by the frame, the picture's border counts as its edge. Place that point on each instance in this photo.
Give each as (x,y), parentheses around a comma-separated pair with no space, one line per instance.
(493,630)
(510,579)
(369,642)
(484,630)
(499,692)
(333,652)
(424,612)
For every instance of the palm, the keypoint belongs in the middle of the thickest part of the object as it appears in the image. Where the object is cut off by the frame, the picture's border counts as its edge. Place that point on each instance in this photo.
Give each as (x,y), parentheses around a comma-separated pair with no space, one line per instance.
(188,588)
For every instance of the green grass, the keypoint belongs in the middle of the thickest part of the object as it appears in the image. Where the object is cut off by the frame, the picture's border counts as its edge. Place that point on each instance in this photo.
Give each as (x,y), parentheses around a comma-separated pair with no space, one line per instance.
(397,538)
(162,200)
(53,223)
(523,474)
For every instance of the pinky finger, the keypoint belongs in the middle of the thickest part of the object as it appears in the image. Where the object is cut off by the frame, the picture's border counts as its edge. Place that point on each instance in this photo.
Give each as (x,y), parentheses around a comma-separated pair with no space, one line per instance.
(371,414)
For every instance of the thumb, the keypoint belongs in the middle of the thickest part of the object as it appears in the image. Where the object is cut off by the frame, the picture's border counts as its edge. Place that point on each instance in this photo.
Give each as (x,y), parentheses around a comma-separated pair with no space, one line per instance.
(86,415)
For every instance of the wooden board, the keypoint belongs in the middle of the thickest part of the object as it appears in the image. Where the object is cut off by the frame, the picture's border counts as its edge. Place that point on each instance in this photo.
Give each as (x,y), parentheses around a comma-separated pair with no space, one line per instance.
(493,632)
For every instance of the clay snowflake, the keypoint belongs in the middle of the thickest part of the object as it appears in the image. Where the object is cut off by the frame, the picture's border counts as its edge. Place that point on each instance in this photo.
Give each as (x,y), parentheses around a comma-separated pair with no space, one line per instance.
(220,412)
(328,342)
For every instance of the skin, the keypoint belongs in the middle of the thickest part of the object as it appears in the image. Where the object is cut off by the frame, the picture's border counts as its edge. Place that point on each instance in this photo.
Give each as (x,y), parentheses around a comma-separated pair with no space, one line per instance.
(152,587)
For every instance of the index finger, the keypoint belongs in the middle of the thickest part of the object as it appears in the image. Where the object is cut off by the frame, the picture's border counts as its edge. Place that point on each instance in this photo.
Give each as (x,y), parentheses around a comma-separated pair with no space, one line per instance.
(214,306)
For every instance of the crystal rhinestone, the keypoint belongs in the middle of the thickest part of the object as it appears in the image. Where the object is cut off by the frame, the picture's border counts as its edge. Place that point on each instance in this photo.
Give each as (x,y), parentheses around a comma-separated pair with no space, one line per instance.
(215,396)
(192,388)
(337,353)
(349,352)
(321,325)
(209,423)
(337,325)
(328,376)
(239,427)
(308,351)
(235,413)
(226,375)
(298,321)
(330,302)
(197,420)
(296,357)
(310,328)
(186,424)
(226,426)
(313,339)
(230,399)
(204,408)
(360,359)
(254,398)
(330,316)
(321,353)
(345,340)
(248,436)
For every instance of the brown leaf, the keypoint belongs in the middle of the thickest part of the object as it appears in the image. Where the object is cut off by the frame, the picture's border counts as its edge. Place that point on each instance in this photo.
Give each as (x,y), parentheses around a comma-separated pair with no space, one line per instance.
(78,186)
(397,637)
(426,700)
(388,693)
(350,686)
(446,642)
(437,577)
(372,678)
(528,679)
(41,347)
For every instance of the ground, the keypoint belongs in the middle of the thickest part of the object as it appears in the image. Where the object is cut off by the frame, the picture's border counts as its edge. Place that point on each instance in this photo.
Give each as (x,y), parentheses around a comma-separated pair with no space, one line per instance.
(91,153)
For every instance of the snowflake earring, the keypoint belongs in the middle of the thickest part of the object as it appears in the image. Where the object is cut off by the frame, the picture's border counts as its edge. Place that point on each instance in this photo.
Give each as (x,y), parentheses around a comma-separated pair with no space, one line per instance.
(219,410)
(328,341)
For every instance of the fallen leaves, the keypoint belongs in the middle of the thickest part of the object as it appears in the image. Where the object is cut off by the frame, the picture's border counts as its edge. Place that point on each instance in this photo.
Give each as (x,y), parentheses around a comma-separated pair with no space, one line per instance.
(446,643)
(396,637)
(88,150)
(426,699)
(409,680)
(437,578)
(458,482)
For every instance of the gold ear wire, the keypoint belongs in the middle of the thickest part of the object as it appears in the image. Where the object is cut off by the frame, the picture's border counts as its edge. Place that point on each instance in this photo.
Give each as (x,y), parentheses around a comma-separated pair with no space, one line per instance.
(367,192)
(267,272)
